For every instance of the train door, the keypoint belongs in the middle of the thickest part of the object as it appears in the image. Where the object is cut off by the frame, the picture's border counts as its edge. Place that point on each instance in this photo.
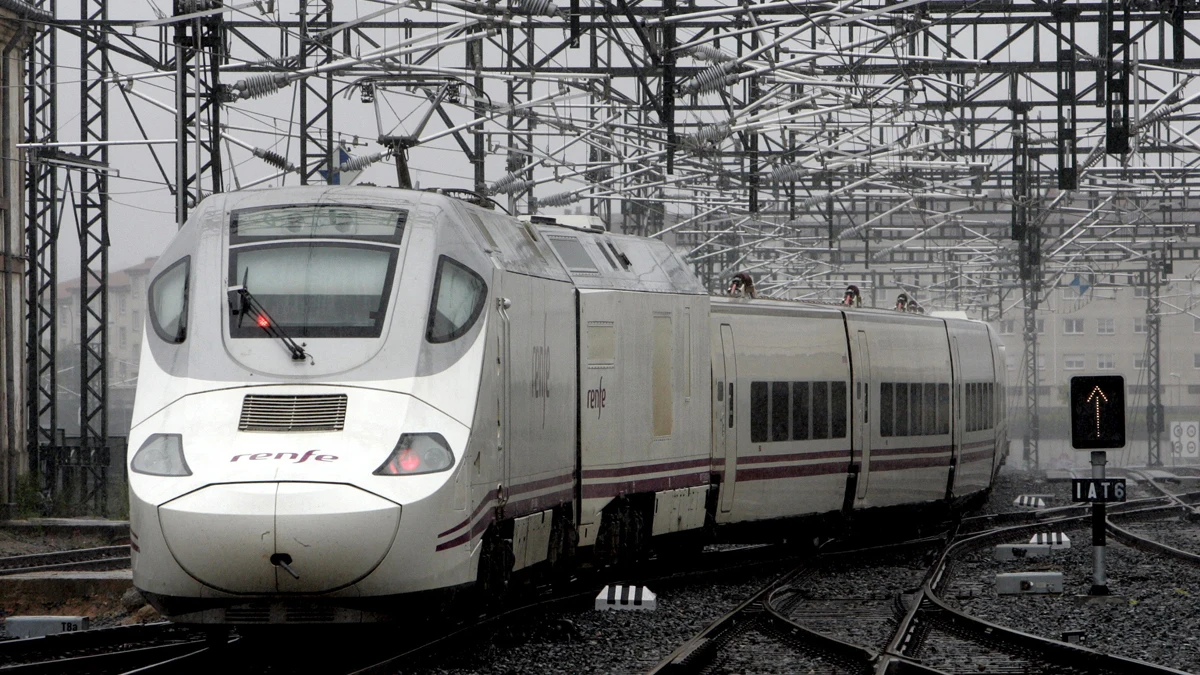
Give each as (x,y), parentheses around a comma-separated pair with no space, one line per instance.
(726,404)
(504,402)
(862,397)
(956,426)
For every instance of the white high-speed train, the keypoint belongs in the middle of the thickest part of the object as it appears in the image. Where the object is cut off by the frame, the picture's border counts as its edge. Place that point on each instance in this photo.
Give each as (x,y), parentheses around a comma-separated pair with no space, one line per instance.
(353,400)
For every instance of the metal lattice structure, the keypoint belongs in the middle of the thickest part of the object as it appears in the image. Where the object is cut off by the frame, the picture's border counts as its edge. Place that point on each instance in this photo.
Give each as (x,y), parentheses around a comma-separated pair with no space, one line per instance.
(968,154)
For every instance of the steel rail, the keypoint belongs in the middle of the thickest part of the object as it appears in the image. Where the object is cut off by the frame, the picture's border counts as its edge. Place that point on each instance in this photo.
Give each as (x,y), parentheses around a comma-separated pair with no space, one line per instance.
(103,557)
(930,608)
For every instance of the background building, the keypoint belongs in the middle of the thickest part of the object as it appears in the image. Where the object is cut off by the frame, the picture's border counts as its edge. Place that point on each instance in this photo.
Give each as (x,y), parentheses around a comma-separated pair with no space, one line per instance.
(126,317)
(18,22)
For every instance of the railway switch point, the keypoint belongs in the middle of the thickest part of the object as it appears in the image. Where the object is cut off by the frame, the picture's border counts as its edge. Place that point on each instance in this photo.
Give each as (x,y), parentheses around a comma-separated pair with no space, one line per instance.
(38,626)
(619,596)
(1056,540)
(1029,583)
(1021,551)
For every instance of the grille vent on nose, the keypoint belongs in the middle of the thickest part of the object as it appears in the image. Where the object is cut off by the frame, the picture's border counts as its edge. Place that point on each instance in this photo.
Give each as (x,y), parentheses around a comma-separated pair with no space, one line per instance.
(293,413)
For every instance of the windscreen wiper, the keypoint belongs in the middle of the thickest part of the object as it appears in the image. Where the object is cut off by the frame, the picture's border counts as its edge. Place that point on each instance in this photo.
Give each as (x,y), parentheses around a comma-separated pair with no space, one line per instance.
(247,304)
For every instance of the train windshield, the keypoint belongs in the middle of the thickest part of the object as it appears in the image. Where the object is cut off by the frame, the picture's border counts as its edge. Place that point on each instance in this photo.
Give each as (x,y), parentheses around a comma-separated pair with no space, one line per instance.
(313,269)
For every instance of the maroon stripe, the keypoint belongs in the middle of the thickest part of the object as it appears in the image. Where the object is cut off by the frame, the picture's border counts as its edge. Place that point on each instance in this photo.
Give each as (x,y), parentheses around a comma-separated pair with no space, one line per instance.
(535,504)
(791,471)
(911,463)
(795,457)
(921,450)
(978,444)
(976,456)
(486,499)
(620,471)
(594,490)
(469,535)
(533,486)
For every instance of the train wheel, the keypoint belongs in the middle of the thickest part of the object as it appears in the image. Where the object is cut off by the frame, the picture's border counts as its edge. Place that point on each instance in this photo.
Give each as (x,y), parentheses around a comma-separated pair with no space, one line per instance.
(624,536)
(495,568)
(564,540)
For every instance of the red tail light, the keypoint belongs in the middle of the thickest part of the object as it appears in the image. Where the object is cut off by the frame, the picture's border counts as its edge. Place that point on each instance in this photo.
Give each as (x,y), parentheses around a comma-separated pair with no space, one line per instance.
(262,321)
(417,453)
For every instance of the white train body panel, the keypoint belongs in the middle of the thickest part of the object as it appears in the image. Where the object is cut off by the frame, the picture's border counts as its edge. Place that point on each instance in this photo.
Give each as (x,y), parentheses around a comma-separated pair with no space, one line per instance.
(643,405)
(774,345)
(468,384)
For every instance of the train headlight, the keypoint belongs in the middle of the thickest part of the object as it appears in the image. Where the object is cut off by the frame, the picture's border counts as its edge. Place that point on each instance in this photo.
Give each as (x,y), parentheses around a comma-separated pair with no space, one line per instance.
(161,455)
(417,453)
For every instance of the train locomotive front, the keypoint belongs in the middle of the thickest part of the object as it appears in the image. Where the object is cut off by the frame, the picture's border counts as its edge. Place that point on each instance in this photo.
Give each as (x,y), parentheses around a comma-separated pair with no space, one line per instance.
(310,373)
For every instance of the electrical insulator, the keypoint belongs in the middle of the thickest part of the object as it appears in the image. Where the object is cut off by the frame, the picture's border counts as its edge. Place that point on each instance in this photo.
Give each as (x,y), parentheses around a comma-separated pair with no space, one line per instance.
(560,199)
(258,86)
(505,180)
(512,187)
(538,7)
(708,80)
(787,172)
(274,159)
(708,53)
(709,137)
(359,163)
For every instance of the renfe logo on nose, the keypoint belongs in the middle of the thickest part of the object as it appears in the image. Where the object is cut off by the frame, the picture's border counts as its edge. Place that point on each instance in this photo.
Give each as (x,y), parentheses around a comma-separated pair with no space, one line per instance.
(286,455)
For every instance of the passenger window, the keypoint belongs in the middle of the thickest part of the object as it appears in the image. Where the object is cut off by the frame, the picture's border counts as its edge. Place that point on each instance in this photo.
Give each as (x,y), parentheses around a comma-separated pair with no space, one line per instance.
(901,409)
(169,301)
(759,412)
(779,411)
(930,408)
(943,408)
(458,297)
(885,408)
(800,407)
(971,408)
(837,395)
(916,425)
(820,406)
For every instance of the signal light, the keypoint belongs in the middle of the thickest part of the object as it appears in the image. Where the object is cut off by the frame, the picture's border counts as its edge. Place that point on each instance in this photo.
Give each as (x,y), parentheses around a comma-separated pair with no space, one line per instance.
(262,321)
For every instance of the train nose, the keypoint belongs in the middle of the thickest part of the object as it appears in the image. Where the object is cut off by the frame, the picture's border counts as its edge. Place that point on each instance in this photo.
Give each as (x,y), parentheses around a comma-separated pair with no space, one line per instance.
(279,537)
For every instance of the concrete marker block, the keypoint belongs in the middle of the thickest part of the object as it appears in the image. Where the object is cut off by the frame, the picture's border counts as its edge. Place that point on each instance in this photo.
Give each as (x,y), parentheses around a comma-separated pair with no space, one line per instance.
(619,596)
(1056,540)
(37,626)
(1029,583)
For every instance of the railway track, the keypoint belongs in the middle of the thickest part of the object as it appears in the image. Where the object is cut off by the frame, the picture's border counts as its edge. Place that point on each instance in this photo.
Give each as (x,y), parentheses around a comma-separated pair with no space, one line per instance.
(99,558)
(102,650)
(842,632)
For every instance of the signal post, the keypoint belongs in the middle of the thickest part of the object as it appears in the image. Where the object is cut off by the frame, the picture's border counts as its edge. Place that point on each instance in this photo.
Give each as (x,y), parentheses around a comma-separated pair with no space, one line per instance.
(1098,423)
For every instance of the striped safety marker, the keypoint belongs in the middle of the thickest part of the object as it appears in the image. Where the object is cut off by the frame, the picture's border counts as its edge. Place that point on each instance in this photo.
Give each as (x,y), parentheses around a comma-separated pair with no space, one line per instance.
(619,596)
(1030,502)
(1056,540)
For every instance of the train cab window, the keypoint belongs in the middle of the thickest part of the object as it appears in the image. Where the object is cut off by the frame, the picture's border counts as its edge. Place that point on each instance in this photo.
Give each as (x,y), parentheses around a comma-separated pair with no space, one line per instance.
(760,412)
(943,406)
(886,403)
(901,409)
(458,297)
(820,407)
(169,300)
(317,221)
(801,407)
(837,397)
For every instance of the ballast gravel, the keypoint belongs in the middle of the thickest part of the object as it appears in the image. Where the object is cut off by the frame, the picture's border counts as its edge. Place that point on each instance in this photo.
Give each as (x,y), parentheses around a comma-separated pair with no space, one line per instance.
(1153,613)
(600,642)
